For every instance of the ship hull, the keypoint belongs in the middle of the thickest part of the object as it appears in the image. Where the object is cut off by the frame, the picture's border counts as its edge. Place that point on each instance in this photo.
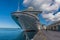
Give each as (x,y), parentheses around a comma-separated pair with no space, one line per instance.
(27,22)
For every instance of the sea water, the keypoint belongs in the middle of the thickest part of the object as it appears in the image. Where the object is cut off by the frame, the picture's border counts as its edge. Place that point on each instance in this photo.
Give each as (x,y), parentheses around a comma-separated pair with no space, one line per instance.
(11,34)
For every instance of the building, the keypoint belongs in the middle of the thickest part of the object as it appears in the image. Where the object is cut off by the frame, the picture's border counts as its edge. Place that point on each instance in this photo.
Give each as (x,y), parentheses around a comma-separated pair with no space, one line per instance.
(55,26)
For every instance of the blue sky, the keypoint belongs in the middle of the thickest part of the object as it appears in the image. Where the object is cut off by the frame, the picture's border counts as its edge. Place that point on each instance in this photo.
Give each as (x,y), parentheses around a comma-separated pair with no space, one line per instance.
(6,8)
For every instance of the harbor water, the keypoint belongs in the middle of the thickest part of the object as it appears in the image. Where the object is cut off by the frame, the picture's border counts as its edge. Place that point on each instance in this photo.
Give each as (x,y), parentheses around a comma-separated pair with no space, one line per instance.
(11,34)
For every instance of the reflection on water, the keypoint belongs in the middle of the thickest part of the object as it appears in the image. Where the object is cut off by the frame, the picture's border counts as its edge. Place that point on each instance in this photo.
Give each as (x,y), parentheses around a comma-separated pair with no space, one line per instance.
(11,34)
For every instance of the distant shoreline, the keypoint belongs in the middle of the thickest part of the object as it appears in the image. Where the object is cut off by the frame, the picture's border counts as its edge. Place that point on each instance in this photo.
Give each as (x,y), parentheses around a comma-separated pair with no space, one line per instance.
(10,28)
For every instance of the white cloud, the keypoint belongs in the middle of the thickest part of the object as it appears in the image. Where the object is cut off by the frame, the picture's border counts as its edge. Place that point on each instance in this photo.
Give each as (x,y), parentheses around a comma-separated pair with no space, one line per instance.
(40,2)
(48,16)
(36,3)
(57,16)
(49,7)
(44,5)
(27,2)
(58,2)
(52,17)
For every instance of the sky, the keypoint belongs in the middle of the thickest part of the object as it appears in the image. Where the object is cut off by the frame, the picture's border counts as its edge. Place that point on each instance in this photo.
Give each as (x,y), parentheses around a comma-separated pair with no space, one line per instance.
(6,8)
(42,20)
(50,9)
(9,6)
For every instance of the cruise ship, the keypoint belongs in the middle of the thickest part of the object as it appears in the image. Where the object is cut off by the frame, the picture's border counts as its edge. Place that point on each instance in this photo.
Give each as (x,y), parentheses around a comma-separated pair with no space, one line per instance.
(27,21)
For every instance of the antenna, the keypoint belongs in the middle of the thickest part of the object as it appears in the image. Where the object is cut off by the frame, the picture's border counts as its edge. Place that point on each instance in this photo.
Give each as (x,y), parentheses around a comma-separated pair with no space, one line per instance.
(18,6)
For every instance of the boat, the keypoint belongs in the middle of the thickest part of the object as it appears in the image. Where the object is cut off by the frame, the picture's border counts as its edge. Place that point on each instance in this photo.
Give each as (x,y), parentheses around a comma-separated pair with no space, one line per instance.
(27,21)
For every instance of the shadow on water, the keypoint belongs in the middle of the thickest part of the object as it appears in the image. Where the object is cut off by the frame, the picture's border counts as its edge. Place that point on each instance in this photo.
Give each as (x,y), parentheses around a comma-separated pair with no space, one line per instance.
(21,36)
